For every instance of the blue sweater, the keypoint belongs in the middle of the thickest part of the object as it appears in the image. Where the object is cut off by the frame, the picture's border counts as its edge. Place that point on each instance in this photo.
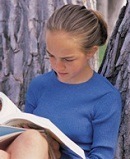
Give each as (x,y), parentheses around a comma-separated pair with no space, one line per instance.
(88,113)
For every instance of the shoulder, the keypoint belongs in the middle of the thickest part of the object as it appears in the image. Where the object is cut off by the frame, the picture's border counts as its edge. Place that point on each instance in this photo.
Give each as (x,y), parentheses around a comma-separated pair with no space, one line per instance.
(42,78)
(103,85)
(109,97)
(107,94)
(41,82)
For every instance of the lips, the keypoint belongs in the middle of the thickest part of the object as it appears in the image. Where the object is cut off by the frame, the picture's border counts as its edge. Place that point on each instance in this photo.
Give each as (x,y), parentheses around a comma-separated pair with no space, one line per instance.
(61,74)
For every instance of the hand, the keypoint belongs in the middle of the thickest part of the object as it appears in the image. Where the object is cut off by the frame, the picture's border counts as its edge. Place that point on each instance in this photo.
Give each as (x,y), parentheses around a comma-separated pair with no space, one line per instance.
(55,147)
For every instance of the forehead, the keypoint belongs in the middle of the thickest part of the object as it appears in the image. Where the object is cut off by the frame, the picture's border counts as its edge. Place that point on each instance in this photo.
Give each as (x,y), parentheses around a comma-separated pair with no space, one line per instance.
(59,35)
(60,41)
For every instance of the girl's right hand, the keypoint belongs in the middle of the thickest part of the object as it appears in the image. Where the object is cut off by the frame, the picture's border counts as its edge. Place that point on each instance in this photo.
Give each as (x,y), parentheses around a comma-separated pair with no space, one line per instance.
(55,147)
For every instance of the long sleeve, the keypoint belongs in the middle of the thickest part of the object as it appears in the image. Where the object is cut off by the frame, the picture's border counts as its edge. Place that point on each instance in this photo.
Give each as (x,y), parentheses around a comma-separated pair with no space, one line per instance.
(107,114)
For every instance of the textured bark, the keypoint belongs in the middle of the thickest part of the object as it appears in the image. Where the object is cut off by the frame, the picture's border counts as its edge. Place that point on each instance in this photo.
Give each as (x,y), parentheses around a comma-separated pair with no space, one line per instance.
(90,4)
(116,67)
(110,10)
(114,7)
(102,6)
(22,43)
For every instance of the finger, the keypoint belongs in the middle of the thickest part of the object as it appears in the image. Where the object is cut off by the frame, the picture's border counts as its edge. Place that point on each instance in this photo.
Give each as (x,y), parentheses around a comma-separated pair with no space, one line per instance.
(55,145)
(57,154)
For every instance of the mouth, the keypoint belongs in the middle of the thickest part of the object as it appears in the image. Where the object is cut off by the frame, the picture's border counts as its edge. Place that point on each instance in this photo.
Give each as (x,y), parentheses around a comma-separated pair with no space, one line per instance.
(61,74)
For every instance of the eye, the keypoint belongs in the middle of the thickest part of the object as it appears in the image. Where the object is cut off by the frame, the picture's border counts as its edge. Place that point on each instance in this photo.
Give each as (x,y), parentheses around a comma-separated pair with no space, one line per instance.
(68,60)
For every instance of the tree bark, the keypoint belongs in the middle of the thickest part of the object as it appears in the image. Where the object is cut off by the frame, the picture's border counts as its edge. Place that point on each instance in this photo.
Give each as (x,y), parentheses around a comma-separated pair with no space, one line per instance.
(116,67)
(114,7)
(110,10)
(102,6)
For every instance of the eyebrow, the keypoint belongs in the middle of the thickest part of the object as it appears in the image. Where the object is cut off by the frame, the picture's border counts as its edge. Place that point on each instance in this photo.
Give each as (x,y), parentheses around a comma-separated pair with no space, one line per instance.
(67,57)
(48,52)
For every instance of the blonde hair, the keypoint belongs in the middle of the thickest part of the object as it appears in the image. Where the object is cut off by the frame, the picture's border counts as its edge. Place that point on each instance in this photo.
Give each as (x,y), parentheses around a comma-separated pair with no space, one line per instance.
(85,25)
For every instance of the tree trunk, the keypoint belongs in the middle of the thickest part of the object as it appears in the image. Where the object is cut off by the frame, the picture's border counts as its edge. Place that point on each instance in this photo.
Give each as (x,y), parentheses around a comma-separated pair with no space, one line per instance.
(116,67)
(114,7)
(110,10)
(102,6)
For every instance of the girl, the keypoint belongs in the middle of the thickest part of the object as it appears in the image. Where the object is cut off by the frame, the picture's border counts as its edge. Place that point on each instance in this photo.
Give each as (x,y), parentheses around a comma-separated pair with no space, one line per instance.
(82,103)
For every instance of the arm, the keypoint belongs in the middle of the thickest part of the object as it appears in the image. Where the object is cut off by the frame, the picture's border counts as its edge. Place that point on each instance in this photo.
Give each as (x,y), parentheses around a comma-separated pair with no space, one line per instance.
(106,120)
(32,97)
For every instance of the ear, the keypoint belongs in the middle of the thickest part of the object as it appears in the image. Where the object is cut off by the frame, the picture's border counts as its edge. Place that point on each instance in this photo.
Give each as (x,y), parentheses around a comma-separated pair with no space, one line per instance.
(92,51)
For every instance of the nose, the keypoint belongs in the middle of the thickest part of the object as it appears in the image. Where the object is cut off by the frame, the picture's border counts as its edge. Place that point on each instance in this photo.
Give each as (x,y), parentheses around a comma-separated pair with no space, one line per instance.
(59,65)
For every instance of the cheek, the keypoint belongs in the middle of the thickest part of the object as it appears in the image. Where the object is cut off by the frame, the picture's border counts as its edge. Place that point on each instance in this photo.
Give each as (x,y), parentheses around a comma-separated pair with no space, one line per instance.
(79,66)
(73,68)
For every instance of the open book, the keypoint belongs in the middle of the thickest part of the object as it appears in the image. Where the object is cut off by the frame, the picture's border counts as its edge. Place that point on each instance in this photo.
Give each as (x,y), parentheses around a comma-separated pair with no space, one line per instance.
(13,121)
